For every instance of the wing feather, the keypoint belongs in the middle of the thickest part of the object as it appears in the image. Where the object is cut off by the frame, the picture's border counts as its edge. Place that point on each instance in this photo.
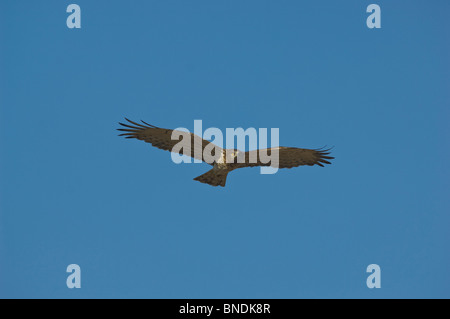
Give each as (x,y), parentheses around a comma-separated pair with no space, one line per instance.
(162,139)
(288,157)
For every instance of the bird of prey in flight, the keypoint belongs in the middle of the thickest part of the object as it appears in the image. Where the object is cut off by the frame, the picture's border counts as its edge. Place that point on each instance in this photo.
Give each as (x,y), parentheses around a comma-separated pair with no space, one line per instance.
(223,160)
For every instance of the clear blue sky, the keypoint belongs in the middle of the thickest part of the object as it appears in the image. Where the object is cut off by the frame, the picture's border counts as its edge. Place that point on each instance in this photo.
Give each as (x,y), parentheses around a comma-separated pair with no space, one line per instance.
(72,191)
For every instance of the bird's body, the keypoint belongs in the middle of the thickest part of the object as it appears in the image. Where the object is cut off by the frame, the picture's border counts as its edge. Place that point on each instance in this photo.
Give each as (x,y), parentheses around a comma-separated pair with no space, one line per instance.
(217,176)
(223,160)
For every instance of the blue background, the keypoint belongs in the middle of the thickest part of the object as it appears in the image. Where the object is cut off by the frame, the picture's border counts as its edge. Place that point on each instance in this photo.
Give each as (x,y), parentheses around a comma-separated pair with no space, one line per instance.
(139,226)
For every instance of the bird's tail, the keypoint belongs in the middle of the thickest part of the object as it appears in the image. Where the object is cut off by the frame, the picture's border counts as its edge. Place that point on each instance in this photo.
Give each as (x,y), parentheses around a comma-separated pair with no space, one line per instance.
(213,177)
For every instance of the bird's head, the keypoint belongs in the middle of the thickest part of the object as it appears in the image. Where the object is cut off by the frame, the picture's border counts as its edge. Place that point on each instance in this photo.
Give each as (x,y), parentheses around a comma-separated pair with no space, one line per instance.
(232,155)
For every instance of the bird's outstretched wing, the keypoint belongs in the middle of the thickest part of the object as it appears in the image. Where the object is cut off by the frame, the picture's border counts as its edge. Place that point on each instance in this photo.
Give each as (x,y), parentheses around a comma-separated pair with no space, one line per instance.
(288,157)
(192,145)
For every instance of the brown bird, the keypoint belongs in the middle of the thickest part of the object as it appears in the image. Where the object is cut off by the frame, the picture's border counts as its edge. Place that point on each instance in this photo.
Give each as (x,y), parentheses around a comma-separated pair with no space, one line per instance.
(222,160)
